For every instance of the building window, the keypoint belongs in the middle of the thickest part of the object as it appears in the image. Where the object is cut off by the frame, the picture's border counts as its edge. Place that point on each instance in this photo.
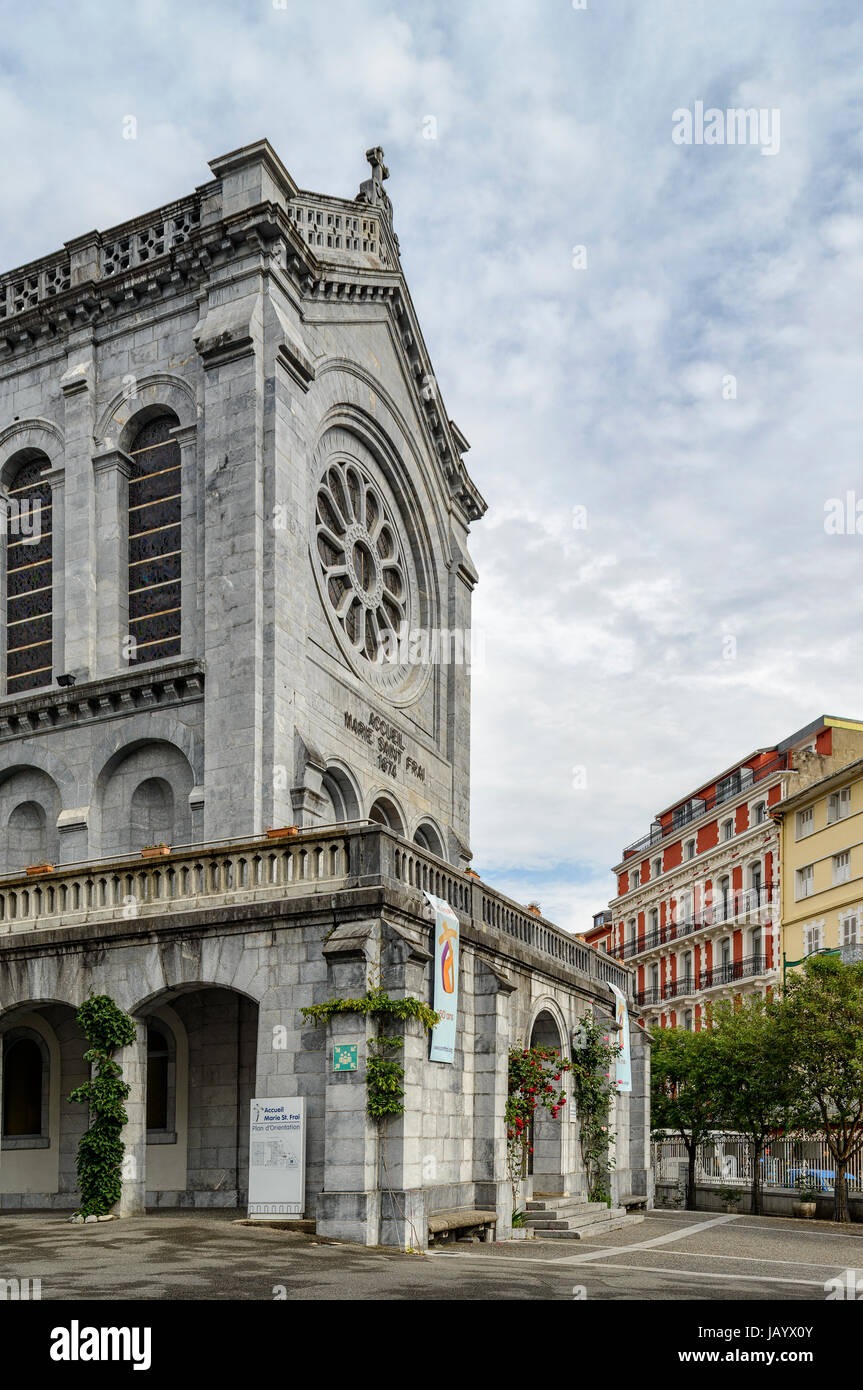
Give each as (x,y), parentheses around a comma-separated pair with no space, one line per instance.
(725,953)
(805,823)
(805,882)
(838,805)
(654,920)
(842,867)
(759,813)
(636,878)
(158,1058)
(155,512)
(728,830)
(656,870)
(687,1020)
(811,940)
(29,580)
(850,935)
(22,1088)
(690,849)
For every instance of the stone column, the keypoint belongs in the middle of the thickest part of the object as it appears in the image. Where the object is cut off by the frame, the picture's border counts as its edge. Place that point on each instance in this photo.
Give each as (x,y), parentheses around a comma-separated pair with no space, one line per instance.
(492,990)
(348,1208)
(112,470)
(79,527)
(403,1175)
(133,1060)
(229,341)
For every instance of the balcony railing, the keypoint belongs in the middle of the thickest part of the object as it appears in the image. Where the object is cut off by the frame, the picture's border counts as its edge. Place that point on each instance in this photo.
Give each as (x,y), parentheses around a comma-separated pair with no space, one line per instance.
(315,862)
(729,908)
(734,970)
(686,985)
(706,804)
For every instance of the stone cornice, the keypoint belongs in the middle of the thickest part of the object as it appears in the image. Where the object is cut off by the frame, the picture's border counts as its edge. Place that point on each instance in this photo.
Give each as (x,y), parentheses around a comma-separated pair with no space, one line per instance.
(329,248)
(141,689)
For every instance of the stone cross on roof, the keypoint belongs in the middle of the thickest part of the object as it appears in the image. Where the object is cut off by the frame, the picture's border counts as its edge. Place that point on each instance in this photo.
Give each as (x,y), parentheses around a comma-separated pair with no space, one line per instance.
(372,190)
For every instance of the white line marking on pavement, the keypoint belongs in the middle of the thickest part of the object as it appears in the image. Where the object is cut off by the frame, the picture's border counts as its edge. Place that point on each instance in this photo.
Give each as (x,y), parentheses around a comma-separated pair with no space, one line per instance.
(646,1244)
(710,1274)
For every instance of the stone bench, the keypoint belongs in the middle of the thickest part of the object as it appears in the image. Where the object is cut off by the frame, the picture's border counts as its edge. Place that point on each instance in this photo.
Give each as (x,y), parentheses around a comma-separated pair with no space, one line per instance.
(633,1202)
(443,1223)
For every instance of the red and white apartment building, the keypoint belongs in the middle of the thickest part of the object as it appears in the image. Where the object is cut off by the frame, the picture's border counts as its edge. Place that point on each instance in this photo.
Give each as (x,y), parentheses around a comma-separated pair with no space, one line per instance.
(698,906)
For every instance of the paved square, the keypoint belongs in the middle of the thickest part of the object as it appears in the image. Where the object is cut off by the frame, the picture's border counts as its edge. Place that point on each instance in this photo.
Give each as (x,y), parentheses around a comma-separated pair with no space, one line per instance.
(208,1255)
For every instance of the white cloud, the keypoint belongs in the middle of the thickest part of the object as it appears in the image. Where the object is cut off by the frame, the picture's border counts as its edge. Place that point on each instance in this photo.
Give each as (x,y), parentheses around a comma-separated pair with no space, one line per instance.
(600,388)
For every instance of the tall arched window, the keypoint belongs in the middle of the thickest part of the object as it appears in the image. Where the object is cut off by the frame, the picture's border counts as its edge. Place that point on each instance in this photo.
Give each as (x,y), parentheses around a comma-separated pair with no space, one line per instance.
(155,512)
(22,1088)
(29,580)
(158,1058)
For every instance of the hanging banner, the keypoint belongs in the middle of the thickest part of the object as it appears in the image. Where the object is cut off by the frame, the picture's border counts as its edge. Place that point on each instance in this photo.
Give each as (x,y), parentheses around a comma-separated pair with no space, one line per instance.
(446,951)
(624,1061)
(277,1158)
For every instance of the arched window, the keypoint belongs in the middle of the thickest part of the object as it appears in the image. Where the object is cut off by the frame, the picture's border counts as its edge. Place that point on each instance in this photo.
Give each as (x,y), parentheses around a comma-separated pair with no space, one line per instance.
(155,513)
(427,838)
(29,580)
(385,812)
(158,1059)
(22,1088)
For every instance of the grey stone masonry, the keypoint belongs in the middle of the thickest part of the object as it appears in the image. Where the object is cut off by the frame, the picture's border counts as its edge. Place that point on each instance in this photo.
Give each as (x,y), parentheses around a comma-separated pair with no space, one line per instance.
(235,683)
(225,946)
(325,584)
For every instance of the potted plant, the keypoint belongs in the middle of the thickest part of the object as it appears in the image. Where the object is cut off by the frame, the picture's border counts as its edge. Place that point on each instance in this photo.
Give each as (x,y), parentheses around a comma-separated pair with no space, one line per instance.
(33,869)
(282,832)
(730,1198)
(520,1228)
(806,1203)
(154,851)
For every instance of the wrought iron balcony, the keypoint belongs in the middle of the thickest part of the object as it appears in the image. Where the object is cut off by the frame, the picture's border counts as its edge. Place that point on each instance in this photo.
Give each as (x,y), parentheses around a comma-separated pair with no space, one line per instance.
(734,970)
(729,908)
(705,805)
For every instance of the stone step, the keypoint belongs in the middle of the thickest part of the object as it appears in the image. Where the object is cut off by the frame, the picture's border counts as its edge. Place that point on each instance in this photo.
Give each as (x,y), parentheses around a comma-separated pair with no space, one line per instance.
(571,1211)
(614,1223)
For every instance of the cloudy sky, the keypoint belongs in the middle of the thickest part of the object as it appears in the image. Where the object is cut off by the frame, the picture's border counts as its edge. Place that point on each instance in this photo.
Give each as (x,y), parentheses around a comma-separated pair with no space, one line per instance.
(654,347)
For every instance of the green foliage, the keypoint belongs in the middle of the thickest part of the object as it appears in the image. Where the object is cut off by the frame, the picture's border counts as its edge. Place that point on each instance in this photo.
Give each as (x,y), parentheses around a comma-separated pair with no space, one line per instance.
(384,1078)
(731,1196)
(682,1090)
(822,1019)
(531,1077)
(384,1075)
(377,1004)
(594,1057)
(100,1151)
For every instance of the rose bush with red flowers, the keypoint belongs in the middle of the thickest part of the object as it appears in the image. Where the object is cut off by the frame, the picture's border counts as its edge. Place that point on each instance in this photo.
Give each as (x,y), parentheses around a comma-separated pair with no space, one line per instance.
(532,1071)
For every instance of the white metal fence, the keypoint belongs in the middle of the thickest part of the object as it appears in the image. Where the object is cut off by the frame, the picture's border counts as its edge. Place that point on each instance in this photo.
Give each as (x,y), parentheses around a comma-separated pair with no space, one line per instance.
(725,1160)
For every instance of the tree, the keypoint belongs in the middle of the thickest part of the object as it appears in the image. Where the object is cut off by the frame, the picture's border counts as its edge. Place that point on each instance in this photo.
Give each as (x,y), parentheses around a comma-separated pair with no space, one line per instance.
(682,1085)
(823,1018)
(758,1089)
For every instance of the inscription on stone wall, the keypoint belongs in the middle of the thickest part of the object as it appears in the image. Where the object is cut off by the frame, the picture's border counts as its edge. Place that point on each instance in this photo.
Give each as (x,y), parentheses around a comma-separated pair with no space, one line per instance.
(387,743)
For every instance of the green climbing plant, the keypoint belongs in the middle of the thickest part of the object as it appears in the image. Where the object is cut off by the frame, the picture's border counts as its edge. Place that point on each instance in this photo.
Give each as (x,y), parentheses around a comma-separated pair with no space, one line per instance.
(532,1074)
(593,1086)
(384,1073)
(100,1151)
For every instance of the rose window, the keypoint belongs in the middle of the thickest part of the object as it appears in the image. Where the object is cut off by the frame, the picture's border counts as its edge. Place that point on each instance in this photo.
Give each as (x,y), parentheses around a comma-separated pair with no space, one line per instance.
(363,564)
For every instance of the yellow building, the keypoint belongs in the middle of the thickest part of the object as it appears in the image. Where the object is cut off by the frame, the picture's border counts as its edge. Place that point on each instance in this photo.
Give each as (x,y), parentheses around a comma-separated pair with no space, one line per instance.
(821,859)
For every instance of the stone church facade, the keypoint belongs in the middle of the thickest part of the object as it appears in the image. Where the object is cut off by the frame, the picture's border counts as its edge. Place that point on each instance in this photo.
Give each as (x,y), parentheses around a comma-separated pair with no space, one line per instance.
(236,596)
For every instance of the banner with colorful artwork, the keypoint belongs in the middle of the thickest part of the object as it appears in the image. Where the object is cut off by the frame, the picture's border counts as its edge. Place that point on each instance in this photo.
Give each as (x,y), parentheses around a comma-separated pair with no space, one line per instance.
(624,1061)
(446,962)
